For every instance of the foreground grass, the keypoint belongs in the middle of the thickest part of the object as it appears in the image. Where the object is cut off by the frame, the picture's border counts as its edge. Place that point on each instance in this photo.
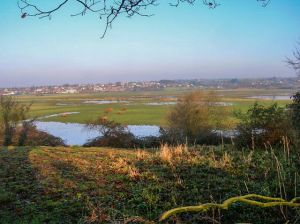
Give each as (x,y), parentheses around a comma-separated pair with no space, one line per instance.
(102,185)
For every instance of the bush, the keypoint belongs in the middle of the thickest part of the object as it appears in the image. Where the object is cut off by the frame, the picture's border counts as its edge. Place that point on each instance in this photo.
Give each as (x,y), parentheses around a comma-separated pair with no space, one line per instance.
(263,125)
(111,134)
(11,113)
(28,135)
(120,140)
(41,138)
(294,111)
(148,142)
(17,130)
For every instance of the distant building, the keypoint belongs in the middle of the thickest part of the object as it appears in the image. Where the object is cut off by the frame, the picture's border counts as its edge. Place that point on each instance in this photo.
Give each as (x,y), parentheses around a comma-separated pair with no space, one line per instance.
(9,93)
(70,91)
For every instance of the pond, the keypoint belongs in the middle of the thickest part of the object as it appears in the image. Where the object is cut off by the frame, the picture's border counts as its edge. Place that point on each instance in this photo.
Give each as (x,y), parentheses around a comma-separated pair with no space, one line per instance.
(78,134)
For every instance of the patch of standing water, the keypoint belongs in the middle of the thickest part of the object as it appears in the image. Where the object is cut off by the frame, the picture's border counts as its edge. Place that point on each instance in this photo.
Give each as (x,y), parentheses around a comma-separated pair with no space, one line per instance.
(160,103)
(104,101)
(270,97)
(65,104)
(78,134)
(57,115)
(224,104)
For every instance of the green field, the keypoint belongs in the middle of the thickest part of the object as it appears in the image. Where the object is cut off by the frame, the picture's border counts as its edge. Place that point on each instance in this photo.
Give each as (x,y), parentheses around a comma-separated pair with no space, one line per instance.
(136,110)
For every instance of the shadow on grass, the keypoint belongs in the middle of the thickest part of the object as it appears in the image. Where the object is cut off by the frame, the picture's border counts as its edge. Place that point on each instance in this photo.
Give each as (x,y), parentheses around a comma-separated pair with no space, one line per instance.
(19,188)
(25,196)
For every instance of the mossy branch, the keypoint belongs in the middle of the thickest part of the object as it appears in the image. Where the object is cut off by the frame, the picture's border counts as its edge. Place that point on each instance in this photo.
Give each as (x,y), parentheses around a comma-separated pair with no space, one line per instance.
(248,199)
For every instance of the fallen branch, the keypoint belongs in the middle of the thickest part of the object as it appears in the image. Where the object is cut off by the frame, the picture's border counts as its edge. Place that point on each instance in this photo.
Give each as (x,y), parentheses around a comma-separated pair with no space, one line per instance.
(248,199)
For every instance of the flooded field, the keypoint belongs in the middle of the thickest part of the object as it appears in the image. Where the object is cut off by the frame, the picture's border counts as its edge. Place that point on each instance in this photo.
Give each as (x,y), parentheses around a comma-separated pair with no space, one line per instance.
(104,101)
(270,97)
(78,134)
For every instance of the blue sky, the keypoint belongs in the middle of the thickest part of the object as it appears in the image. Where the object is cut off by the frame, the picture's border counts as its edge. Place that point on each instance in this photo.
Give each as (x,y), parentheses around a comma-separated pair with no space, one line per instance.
(237,39)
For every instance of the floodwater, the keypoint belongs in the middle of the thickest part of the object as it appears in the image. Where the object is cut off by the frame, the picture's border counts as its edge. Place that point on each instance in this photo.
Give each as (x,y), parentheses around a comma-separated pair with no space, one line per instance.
(104,101)
(78,134)
(160,103)
(277,97)
(57,115)
(224,104)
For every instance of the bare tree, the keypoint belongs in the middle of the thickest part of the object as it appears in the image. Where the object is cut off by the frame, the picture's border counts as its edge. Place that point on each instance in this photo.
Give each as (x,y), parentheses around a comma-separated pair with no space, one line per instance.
(196,115)
(109,10)
(294,61)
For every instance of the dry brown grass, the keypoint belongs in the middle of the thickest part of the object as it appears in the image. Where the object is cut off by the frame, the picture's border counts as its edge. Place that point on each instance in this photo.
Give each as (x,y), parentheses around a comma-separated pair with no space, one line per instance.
(141,155)
(108,110)
(123,166)
(171,154)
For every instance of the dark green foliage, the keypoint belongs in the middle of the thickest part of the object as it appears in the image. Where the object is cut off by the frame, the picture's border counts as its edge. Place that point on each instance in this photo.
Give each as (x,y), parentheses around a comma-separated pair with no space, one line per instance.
(148,142)
(11,113)
(175,136)
(294,109)
(26,126)
(263,125)
(41,138)
(111,134)
(16,129)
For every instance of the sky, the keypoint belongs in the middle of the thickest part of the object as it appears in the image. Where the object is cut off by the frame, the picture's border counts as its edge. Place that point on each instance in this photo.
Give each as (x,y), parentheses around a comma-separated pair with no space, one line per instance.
(238,39)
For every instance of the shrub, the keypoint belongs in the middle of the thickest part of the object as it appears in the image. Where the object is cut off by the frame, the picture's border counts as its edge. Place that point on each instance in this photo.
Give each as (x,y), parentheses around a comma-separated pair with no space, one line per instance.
(108,110)
(175,137)
(11,113)
(111,134)
(294,111)
(148,142)
(28,135)
(263,125)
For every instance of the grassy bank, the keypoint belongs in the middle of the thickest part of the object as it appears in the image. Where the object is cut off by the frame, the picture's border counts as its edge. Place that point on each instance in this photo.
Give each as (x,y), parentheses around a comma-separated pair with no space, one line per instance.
(102,185)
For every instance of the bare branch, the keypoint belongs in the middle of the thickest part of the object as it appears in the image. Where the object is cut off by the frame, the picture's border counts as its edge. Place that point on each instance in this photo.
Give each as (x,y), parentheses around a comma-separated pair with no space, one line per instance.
(294,61)
(109,10)
(264,3)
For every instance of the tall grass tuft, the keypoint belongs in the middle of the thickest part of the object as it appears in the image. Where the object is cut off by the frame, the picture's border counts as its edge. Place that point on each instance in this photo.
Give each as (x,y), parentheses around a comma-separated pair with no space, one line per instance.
(171,154)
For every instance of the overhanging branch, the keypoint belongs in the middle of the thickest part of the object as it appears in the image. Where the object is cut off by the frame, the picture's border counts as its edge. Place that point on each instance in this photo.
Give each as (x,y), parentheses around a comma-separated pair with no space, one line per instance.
(109,10)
